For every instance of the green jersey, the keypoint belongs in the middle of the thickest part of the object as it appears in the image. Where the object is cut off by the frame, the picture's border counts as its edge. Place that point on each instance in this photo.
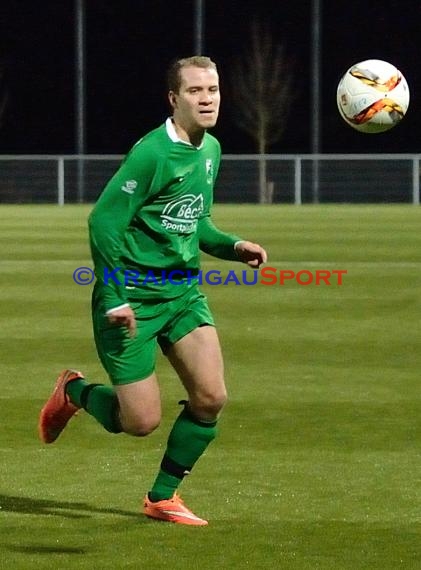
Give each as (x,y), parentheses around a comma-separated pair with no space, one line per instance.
(153,218)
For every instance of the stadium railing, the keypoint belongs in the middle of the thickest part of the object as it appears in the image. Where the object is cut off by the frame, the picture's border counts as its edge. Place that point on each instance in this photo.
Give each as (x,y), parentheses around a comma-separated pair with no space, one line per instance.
(297,179)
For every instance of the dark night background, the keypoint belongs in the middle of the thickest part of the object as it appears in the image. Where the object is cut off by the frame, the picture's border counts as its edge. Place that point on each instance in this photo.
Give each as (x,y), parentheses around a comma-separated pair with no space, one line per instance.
(130,42)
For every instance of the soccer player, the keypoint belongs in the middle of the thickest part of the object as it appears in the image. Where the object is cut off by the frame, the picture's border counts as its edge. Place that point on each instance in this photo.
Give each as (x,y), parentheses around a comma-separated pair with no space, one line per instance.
(146,232)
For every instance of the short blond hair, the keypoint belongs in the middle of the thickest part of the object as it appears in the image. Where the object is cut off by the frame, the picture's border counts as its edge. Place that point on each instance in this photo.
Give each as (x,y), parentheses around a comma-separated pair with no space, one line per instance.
(174,71)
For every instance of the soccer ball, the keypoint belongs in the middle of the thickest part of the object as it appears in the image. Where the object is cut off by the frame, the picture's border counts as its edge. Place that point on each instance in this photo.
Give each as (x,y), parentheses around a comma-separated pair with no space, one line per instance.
(372,96)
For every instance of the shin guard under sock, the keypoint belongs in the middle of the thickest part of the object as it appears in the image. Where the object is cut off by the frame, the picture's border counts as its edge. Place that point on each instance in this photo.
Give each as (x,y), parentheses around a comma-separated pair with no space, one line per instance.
(187,441)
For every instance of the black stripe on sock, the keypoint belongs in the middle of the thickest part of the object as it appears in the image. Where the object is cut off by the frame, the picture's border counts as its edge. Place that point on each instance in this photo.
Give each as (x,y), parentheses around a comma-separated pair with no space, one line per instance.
(84,395)
(173,468)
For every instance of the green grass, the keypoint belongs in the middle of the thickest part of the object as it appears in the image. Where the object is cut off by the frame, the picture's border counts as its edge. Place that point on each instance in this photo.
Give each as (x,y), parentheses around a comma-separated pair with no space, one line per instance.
(318,461)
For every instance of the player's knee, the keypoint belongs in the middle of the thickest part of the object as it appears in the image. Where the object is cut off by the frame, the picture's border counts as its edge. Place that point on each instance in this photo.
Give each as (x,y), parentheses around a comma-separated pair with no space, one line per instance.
(218,401)
(141,427)
(208,405)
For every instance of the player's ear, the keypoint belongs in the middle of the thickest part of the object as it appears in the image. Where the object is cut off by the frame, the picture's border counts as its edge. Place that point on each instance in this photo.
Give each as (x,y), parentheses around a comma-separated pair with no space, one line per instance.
(172,99)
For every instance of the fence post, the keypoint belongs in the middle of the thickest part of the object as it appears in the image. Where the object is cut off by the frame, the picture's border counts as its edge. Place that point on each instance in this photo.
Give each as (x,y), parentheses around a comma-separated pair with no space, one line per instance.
(297,181)
(60,181)
(416,181)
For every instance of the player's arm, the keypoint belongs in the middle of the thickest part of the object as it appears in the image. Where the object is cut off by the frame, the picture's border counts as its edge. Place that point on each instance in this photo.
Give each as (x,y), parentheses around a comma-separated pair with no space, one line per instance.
(223,245)
(110,218)
(216,242)
(228,246)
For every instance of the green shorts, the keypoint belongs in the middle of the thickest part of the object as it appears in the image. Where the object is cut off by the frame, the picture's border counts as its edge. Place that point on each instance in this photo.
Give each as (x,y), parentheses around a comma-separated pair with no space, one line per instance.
(165,322)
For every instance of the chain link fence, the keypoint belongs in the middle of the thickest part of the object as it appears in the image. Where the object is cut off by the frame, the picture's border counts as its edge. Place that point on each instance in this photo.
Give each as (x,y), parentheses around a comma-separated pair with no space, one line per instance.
(298,179)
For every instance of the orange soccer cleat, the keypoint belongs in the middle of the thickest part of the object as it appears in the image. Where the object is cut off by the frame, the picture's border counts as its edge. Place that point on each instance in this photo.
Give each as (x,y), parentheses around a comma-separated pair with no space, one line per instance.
(58,409)
(171,510)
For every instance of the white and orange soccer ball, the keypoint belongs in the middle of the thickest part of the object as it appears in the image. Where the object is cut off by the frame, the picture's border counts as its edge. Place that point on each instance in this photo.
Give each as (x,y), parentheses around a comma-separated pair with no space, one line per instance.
(373,96)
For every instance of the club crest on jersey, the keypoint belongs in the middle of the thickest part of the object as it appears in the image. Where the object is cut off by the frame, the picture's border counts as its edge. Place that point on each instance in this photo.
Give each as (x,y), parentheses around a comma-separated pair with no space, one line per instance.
(209,171)
(181,215)
(129,186)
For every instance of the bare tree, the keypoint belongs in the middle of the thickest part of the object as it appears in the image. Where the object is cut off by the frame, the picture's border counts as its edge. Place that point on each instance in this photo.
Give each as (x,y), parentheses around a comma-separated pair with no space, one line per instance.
(261,85)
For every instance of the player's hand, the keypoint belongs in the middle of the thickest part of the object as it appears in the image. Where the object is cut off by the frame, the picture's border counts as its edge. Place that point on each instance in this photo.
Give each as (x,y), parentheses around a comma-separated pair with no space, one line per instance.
(124,317)
(251,253)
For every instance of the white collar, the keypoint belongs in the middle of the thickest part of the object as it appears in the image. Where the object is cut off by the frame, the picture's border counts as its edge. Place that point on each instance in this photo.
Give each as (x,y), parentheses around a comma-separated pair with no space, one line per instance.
(169,125)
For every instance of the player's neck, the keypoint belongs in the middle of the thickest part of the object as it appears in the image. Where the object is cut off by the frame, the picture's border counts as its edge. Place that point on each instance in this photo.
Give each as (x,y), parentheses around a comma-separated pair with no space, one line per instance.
(194,137)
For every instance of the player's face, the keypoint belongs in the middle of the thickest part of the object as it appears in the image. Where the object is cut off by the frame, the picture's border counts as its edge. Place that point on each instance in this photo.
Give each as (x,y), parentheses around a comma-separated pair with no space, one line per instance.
(196,105)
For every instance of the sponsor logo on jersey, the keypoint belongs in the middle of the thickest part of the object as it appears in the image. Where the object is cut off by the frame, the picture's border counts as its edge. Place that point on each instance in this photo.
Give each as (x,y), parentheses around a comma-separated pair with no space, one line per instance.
(129,186)
(181,215)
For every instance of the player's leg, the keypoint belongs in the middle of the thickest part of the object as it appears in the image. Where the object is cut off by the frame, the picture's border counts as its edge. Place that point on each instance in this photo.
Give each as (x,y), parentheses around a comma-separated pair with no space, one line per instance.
(198,361)
(134,408)
(139,406)
(131,404)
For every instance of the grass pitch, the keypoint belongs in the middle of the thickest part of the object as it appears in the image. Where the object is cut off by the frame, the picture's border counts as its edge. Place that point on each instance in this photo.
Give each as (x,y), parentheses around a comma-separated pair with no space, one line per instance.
(318,461)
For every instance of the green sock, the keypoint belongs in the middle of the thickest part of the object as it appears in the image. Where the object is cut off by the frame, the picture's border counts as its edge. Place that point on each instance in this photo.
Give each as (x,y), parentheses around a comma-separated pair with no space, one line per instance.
(98,400)
(186,443)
